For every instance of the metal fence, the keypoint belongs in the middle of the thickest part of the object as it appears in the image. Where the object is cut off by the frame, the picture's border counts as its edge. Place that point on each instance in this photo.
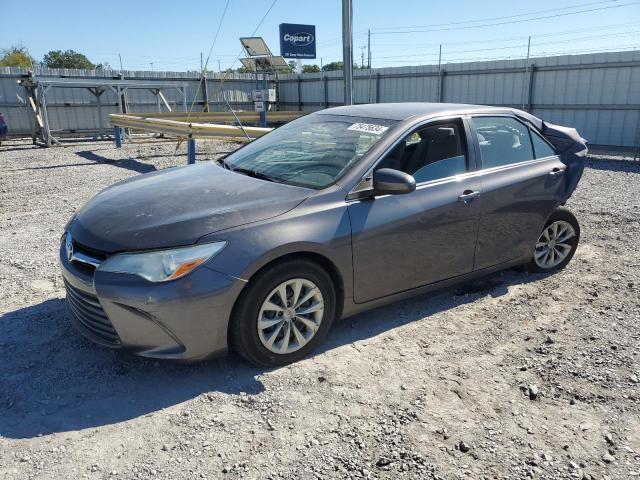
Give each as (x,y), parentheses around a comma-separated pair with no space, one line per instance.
(599,94)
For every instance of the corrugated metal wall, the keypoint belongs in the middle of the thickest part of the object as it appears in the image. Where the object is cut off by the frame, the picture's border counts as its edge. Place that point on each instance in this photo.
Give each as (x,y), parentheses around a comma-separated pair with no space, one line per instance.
(599,94)
(75,110)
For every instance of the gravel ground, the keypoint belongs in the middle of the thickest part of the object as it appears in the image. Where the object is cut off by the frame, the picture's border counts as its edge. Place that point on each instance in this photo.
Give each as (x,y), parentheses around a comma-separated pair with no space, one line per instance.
(513,376)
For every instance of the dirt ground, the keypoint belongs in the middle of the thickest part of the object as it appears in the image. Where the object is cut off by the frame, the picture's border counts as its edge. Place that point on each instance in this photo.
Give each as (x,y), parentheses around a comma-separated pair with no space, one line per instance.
(514,376)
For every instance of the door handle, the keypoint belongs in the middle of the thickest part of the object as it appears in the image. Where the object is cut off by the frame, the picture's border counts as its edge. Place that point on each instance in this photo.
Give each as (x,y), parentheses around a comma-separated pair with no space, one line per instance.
(556,171)
(468,195)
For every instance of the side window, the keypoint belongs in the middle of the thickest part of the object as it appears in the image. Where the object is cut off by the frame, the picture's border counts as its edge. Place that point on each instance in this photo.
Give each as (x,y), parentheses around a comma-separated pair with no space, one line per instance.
(503,141)
(430,153)
(540,146)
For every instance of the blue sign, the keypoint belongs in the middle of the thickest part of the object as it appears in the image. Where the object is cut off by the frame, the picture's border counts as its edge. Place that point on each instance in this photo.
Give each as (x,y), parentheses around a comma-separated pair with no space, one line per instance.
(297,41)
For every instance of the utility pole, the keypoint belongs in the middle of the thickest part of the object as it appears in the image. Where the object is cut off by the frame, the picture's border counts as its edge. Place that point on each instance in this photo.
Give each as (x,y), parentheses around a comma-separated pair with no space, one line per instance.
(320,63)
(347,50)
(120,57)
(440,74)
(362,55)
(151,63)
(219,67)
(369,64)
(526,70)
(201,61)
(369,49)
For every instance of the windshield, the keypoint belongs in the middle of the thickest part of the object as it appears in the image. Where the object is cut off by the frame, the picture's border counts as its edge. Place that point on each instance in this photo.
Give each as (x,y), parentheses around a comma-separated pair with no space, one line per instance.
(312,151)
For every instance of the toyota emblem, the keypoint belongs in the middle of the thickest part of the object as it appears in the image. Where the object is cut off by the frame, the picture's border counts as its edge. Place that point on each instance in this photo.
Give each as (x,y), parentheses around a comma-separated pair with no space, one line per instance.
(68,245)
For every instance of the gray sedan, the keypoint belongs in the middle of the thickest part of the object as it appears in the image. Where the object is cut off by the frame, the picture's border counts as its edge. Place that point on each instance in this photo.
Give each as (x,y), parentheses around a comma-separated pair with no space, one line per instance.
(332,214)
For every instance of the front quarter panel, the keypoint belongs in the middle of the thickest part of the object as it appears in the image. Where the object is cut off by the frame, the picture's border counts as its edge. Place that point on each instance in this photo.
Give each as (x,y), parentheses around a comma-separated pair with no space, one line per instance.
(320,225)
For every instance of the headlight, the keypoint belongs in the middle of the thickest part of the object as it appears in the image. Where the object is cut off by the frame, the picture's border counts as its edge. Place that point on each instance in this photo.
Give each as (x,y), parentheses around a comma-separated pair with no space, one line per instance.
(162,265)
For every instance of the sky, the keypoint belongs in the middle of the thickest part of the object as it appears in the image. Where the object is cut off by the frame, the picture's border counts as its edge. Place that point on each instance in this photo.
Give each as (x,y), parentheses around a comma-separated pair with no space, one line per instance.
(163,35)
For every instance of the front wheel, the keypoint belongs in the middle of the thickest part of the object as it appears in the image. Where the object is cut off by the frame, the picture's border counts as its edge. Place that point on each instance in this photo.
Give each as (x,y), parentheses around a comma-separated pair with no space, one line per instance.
(557,243)
(284,313)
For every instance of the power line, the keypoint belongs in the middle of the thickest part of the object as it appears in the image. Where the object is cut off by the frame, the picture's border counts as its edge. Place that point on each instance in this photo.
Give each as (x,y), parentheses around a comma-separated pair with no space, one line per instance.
(416,46)
(505,23)
(518,46)
(204,69)
(447,24)
(255,30)
(542,54)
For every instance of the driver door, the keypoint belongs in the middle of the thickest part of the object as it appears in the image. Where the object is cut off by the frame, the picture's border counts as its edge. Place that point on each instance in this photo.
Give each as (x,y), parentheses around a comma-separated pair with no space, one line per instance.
(400,242)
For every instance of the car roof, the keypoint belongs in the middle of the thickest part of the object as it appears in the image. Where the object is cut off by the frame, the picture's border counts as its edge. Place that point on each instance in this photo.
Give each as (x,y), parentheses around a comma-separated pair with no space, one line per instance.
(405,110)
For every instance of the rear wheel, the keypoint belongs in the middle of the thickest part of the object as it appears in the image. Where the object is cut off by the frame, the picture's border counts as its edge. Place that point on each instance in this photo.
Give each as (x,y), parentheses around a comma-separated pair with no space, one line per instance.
(284,313)
(557,243)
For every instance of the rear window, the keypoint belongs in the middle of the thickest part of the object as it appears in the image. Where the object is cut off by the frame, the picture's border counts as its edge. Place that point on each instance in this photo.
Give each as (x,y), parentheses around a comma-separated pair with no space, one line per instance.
(540,146)
(503,141)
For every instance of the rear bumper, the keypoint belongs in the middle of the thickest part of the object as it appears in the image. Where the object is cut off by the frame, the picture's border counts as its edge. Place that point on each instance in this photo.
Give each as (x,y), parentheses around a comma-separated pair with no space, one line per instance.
(184,319)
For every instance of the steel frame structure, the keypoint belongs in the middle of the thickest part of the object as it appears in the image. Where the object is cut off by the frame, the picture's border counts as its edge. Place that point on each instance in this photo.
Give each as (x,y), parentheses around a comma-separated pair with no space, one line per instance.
(37,89)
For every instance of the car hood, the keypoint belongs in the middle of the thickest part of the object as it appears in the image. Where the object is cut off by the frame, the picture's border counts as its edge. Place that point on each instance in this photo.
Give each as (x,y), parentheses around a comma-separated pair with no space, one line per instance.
(177,206)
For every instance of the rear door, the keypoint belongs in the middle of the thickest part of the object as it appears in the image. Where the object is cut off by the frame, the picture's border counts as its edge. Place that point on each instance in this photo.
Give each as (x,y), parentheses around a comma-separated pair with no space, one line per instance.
(405,241)
(522,182)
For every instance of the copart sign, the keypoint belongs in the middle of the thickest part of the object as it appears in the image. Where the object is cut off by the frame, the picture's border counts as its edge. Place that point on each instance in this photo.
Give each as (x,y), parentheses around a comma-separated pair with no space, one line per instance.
(297,41)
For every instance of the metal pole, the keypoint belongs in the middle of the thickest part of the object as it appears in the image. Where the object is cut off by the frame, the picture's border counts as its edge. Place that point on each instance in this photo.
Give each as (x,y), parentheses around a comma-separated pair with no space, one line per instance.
(369,63)
(191,151)
(263,113)
(526,70)
(120,57)
(347,50)
(117,134)
(201,61)
(99,91)
(636,148)
(368,48)
(440,74)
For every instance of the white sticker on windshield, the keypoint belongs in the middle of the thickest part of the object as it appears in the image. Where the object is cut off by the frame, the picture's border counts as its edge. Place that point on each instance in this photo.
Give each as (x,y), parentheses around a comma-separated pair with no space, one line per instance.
(368,128)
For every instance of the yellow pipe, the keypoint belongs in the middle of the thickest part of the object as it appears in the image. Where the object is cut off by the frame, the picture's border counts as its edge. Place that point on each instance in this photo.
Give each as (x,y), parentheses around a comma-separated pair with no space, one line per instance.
(243,116)
(186,129)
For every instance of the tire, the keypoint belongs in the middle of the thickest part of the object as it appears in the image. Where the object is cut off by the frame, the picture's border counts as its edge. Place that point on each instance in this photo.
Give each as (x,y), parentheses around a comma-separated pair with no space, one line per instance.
(246,337)
(561,218)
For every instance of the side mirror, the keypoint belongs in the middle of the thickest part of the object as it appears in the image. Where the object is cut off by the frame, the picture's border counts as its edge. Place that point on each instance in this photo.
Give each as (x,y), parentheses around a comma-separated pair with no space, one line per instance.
(388,181)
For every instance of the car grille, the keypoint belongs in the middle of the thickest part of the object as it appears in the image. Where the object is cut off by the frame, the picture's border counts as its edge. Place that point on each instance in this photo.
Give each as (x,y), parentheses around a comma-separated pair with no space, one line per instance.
(87,259)
(88,312)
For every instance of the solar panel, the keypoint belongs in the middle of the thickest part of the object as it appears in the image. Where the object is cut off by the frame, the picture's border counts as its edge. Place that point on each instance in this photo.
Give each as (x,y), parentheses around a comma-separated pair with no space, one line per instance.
(255,46)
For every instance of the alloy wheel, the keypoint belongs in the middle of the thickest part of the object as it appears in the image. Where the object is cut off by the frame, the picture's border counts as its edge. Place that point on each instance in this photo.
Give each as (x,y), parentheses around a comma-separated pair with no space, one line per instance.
(290,316)
(554,244)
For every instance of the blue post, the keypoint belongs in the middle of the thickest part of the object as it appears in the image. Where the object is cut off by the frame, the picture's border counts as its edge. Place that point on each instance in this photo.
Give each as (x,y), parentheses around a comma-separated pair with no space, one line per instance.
(191,151)
(263,116)
(117,131)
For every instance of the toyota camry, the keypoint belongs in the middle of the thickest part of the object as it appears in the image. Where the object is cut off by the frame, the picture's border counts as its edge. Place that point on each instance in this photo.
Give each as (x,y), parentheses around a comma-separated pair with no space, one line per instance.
(332,214)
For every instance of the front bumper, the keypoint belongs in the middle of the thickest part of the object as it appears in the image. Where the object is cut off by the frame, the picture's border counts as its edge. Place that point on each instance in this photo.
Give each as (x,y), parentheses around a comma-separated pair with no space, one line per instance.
(184,319)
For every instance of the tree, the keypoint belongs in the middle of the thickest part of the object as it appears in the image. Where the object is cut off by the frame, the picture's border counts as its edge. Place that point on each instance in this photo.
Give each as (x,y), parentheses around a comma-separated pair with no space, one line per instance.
(293,65)
(244,69)
(310,69)
(16,57)
(66,59)
(330,67)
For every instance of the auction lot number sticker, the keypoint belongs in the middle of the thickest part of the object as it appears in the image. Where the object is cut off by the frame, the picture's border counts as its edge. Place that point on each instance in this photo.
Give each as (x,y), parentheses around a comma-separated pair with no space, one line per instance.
(368,128)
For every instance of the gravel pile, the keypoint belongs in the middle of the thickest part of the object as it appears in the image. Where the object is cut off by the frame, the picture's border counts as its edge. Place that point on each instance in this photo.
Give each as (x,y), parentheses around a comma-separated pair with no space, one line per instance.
(513,376)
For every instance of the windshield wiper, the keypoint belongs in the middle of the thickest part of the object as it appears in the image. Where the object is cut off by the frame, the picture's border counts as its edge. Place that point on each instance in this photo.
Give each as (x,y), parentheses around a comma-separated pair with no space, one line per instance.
(252,173)
(223,163)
